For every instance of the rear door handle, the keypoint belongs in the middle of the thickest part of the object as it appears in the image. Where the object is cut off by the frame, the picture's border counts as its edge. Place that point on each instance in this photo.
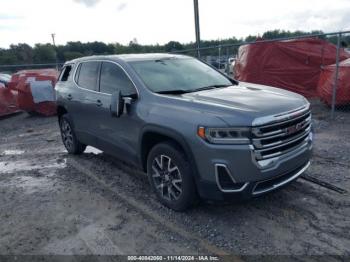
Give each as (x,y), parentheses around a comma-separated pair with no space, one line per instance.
(99,103)
(69,97)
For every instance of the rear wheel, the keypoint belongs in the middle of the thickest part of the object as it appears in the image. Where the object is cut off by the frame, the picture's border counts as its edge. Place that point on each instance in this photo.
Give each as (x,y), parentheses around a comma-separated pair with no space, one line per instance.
(69,138)
(170,176)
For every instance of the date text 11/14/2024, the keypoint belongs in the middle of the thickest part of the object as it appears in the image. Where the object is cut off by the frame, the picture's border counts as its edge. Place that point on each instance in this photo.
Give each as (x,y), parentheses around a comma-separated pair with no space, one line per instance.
(173,258)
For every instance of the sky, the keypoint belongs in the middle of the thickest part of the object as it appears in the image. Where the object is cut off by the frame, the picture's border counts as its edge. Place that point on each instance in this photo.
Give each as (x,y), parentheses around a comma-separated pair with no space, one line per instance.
(160,21)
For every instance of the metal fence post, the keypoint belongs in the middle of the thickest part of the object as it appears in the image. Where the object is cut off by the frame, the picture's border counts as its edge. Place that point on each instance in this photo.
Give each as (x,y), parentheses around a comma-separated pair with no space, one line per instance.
(227,62)
(219,57)
(335,84)
(197,27)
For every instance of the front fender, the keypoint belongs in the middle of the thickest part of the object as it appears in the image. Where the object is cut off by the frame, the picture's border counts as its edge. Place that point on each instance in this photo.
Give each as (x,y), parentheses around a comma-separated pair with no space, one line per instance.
(172,134)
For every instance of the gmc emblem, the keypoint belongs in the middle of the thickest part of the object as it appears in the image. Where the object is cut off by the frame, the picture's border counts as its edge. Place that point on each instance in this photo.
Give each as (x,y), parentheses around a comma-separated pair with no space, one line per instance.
(293,129)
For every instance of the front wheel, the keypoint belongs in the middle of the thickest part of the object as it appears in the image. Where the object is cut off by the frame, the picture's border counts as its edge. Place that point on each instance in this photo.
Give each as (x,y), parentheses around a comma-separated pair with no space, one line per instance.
(170,175)
(69,138)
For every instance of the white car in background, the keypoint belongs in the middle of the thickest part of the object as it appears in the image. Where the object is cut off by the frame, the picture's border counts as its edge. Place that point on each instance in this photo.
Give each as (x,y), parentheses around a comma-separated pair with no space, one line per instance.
(4,79)
(231,63)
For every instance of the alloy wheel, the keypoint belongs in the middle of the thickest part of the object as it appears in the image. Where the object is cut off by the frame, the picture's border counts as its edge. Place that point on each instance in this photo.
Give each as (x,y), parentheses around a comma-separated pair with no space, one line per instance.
(167,177)
(67,134)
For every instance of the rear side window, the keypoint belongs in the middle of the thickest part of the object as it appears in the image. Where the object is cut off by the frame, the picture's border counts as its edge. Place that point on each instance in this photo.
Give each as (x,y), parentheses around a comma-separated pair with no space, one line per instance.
(113,78)
(88,75)
(66,71)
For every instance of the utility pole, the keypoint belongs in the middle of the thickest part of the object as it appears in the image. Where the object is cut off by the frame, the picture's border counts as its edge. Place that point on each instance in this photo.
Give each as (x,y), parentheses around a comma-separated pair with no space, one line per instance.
(196,22)
(53,39)
(335,84)
(54,44)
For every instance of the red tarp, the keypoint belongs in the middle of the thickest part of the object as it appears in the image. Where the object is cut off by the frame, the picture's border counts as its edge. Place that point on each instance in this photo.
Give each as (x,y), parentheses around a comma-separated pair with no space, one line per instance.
(326,82)
(294,65)
(21,82)
(8,101)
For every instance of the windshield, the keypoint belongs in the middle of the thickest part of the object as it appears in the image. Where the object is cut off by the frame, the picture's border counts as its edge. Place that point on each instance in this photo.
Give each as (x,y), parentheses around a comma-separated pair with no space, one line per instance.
(182,75)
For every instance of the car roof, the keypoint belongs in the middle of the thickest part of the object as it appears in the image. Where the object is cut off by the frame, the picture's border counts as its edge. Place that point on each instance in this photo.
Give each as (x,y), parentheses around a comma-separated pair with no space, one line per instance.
(129,57)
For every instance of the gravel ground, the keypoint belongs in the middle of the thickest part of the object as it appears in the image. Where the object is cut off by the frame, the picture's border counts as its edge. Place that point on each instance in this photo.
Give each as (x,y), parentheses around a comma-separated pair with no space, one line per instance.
(55,203)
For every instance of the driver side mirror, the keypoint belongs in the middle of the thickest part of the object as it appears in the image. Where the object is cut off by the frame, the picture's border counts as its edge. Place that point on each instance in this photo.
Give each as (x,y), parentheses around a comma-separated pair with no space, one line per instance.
(117,104)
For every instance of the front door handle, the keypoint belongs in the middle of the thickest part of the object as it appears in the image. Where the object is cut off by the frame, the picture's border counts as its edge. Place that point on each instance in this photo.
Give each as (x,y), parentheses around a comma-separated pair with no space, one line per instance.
(69,97)
(99,103)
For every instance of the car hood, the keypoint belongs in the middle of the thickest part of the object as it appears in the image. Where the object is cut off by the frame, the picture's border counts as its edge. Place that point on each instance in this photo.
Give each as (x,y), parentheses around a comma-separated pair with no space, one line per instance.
(247,101)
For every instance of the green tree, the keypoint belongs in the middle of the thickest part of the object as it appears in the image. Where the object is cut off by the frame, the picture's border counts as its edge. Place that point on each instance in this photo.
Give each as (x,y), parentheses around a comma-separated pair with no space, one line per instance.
(7,57)
(134,47)
(173,46)
(23,53)
(44,53)
(69,55)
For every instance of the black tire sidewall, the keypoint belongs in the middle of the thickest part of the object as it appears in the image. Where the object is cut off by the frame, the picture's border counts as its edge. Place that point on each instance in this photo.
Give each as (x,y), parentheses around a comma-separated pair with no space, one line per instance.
(189,194)
(78,148)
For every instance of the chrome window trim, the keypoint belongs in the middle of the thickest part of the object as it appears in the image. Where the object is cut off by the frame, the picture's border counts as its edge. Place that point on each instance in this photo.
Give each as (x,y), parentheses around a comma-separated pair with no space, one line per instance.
(100,61)
(230,175)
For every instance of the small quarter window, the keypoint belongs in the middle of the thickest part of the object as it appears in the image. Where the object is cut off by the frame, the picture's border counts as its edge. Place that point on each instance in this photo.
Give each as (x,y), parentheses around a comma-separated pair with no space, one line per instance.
(66,71)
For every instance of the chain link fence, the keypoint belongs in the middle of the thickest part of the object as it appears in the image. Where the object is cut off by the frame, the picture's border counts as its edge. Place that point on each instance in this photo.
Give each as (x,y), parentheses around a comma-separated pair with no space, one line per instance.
(10,69)
(336,100)
(224,57)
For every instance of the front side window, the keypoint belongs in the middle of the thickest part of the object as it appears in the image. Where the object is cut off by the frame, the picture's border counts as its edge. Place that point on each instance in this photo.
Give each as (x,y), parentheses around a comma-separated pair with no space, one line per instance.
(113,78)
(178,74)
(88,75)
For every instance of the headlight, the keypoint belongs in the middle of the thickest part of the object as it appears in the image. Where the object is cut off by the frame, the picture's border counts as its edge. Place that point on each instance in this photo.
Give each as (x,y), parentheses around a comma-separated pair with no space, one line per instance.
(236,136)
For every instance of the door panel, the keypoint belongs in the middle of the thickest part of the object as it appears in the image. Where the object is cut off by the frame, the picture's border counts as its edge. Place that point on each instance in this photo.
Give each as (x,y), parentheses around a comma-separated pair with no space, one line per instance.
(86,103)
(118,135)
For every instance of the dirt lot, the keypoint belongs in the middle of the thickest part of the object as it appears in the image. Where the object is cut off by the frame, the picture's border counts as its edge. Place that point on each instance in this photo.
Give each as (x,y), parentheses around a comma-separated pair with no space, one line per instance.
(54,203)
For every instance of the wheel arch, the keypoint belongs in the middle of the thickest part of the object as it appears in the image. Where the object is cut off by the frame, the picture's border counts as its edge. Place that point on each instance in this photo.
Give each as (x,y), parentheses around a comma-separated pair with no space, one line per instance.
(152,135)
(61,110)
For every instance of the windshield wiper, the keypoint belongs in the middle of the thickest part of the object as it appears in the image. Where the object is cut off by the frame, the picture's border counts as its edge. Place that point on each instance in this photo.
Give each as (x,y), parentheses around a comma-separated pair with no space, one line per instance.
(181,91)
(208,88)
(175,92)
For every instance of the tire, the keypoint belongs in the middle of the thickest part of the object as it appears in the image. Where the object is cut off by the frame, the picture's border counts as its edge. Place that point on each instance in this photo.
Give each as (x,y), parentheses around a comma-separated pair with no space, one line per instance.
(173,181)
(69,138)
(32,113)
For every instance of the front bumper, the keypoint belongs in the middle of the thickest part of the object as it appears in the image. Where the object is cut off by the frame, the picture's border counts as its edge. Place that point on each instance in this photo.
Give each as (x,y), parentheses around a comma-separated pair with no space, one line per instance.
(250,189)
(249,178)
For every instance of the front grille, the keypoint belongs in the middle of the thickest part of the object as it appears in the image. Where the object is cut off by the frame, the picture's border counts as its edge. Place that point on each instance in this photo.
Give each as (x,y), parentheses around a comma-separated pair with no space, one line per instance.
(276,139)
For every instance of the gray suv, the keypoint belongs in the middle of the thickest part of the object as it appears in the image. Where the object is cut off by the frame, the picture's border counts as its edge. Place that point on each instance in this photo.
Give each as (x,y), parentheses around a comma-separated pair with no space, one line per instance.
(196,132)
